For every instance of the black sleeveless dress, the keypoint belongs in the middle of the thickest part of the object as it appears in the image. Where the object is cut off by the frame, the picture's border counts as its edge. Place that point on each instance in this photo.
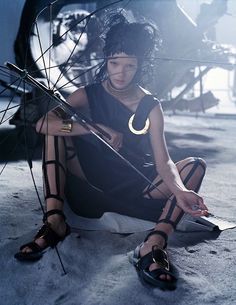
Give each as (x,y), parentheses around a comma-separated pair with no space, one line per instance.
(113,185)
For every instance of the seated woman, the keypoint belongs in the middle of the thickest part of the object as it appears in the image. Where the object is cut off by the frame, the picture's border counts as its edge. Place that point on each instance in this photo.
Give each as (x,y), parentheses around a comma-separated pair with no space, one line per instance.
(132,120)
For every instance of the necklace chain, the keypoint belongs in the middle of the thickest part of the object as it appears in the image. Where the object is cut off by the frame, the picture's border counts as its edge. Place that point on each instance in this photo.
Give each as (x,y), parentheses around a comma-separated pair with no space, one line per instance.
(127,93)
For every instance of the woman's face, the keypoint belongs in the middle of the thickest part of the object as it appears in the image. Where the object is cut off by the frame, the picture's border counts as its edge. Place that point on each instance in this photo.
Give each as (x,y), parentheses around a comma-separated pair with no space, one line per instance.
(121,69)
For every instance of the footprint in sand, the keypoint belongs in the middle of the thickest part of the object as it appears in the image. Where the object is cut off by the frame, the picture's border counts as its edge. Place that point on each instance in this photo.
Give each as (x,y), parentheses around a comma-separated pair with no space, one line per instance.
(212,252)
(191,250)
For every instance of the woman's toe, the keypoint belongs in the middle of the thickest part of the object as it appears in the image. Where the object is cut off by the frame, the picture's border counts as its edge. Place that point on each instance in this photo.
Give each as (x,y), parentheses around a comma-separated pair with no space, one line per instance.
(165,277)
(26,250)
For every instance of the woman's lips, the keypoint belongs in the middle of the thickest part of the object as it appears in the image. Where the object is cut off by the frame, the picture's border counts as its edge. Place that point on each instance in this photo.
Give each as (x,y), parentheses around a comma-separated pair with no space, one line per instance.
(120,82)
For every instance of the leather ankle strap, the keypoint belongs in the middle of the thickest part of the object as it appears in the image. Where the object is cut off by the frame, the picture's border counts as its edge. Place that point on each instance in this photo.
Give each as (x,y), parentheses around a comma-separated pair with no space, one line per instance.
(167,221)
(53,212)
(157,232)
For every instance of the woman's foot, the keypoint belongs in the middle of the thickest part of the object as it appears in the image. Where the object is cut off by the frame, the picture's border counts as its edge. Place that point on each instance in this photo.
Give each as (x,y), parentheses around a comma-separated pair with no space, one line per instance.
(152,262)
(57,224)
(146,248)
(54,230)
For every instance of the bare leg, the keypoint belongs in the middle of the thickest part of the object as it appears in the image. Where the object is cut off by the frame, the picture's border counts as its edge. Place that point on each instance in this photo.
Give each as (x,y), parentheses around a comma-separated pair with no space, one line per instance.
(192,171)
(58,157)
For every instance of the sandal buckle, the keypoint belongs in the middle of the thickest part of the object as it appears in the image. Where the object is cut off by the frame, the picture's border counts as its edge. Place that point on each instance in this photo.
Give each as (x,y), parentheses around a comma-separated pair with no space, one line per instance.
(159,256)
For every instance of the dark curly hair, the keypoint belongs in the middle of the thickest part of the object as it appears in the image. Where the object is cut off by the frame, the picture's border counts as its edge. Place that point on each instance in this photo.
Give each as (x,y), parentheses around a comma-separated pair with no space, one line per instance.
(132,38)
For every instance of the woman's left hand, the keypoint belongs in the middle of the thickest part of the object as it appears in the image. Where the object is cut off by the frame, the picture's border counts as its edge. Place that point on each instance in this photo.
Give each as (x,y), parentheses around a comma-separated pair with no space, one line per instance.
(116,138)
(191,203)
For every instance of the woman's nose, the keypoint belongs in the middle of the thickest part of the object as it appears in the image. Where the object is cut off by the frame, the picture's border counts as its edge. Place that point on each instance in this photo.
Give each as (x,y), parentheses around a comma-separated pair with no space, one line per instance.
(121,71)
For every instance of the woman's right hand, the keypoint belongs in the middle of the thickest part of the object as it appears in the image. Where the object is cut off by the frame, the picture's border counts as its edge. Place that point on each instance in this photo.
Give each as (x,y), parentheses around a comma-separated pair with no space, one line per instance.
(192,203)
(116,138)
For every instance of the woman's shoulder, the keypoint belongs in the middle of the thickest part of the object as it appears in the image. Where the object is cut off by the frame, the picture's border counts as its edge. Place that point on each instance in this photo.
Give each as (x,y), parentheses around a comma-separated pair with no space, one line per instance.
(148,97)
(147,103)
(78,98)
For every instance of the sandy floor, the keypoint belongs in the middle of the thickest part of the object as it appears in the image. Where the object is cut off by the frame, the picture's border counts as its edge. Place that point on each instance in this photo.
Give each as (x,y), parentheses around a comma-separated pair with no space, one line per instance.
(98,270)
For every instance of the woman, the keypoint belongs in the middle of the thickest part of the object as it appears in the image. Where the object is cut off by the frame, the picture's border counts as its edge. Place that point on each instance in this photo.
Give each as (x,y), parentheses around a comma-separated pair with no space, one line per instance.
(133,121)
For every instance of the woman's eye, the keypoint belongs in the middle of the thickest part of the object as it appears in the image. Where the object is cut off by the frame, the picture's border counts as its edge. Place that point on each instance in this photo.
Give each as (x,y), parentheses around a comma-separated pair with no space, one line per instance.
(113,63)
(131,67)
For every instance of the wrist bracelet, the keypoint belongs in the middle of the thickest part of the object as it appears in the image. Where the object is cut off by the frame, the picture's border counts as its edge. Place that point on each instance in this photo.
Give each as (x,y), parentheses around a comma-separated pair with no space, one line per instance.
(67,125)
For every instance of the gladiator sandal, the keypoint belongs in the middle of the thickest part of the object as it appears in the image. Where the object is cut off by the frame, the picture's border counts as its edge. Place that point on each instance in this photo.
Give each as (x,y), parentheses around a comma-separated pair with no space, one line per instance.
(158,256)
(48,234)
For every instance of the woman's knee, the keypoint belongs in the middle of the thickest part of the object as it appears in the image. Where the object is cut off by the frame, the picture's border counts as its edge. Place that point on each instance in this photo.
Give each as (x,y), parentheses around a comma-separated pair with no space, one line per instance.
(191,161)
(201,163)
(192,171)
(196,165)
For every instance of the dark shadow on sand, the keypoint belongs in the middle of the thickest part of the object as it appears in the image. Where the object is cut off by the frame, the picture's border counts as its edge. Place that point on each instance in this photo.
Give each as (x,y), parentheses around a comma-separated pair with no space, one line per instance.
(12,144)
(182,149)
(186,239)
(188,136)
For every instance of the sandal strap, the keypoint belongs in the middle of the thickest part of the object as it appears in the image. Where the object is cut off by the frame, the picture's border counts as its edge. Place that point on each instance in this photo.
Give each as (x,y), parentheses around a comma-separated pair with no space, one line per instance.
(168,221)
(157,272)
(50,236)
(144,262)
(157,255)
(56,162)
(158,232)
(53,212)
(55,197)
(160,257)
(33,246)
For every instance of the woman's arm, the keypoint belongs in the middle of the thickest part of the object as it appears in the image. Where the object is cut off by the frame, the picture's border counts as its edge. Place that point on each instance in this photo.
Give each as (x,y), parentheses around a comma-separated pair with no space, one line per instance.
(186,199)
(165,166)
(52,123)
